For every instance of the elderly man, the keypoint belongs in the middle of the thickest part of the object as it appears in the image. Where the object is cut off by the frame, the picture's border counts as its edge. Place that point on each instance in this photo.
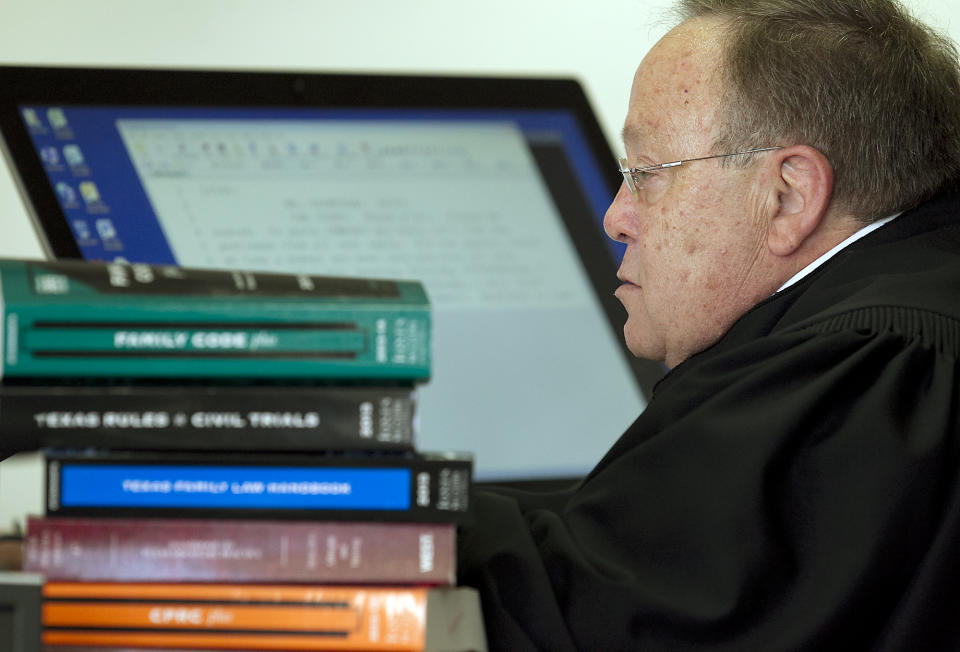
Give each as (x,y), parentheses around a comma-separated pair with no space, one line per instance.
(792,230)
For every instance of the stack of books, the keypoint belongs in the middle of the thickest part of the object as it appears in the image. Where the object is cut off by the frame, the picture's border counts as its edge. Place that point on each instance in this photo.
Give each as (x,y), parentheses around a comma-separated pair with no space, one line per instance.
(230,460)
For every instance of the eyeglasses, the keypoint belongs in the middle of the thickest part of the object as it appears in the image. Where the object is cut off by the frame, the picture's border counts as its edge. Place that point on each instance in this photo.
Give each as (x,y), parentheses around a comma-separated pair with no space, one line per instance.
(637,178)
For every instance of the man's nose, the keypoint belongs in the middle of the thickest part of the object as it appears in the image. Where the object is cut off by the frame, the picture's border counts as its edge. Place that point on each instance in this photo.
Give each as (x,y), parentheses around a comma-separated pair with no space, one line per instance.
(619,221)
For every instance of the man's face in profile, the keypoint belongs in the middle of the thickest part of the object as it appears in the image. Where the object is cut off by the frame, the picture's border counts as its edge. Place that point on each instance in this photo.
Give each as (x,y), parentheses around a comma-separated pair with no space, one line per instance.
(694,235)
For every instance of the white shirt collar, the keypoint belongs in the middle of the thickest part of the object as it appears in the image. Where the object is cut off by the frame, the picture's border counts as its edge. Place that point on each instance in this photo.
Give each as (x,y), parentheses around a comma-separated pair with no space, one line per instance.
(870,228)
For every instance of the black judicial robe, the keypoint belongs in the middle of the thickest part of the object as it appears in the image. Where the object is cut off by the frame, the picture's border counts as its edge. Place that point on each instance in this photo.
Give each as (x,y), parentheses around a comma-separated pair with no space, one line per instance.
(796,486)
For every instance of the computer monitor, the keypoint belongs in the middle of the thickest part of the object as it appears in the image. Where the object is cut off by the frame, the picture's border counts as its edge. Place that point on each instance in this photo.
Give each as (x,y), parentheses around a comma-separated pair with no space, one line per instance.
(491,191)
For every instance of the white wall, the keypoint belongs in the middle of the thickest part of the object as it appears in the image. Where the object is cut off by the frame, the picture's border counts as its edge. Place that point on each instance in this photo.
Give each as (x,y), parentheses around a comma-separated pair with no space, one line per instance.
(599,43)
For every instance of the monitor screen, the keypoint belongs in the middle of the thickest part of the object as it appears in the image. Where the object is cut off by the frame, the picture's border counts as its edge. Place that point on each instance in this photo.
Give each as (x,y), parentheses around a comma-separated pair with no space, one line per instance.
(491,192)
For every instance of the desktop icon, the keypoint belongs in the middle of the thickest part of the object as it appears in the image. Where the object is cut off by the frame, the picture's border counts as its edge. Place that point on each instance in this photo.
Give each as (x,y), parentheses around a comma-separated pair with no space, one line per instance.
(106,229)
(57,118)
(32,119)
(89,192)
(73,155)
(50,156)
(82,229)
(66,193)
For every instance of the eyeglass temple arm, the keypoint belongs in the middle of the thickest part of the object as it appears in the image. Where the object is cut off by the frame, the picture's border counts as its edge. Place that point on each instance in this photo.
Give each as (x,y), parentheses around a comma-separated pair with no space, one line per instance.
(674,164)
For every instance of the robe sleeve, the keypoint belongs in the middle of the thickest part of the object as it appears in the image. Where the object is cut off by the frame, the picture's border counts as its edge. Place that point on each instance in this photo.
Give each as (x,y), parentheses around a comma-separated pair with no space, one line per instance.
(798,492)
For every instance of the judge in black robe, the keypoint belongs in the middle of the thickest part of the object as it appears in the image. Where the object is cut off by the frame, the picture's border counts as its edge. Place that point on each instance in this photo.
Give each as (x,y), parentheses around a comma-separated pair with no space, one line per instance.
(796,486)
(794,483)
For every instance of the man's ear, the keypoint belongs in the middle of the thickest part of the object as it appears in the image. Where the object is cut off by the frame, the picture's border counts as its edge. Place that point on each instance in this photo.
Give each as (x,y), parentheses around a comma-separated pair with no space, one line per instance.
(805,185)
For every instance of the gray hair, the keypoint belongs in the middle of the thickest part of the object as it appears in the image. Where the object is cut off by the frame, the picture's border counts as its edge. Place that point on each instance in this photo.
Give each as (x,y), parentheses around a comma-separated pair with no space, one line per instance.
(872,88)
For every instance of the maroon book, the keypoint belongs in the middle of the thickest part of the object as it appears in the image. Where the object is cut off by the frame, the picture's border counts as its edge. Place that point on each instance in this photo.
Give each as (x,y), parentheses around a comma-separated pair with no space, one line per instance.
(195,550)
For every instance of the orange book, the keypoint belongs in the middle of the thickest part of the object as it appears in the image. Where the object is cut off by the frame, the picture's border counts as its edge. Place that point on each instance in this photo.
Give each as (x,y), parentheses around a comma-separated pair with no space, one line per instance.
(261,617)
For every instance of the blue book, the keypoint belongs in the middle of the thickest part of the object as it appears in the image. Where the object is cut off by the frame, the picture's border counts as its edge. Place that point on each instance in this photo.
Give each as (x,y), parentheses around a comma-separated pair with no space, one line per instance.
(422,487)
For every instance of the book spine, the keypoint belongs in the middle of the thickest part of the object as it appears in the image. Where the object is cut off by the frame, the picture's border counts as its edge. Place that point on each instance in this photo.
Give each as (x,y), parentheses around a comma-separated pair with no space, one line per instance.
(409,488)
(384,344)
(20,606)
(239,617)
(182,550)
(291,418)
(92,321)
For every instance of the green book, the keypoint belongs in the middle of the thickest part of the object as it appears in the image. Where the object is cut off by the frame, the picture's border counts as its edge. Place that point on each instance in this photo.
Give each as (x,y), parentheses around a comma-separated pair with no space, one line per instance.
(73,319)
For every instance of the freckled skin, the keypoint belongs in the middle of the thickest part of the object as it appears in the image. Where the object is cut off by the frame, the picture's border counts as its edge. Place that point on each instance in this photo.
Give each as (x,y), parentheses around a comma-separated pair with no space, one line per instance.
(696,260)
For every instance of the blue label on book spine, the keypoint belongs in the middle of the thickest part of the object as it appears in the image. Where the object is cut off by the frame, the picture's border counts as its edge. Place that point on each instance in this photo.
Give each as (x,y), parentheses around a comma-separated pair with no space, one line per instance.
(233,487)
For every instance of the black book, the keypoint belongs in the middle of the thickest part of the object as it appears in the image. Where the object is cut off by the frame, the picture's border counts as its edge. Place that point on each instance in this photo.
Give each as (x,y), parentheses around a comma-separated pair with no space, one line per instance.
(203,417)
